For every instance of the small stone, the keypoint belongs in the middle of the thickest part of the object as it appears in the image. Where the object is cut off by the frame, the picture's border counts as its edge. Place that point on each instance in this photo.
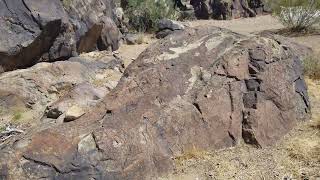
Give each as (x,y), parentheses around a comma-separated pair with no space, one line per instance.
(170,24)
(73,113)
(115,52)
(53,113)
(131,39)
(86,144)
(164,33)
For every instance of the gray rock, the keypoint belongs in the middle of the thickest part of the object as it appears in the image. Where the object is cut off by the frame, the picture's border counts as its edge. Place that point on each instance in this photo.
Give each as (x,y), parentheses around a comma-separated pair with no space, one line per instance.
(49,30)
(131,38)
(170,24)
(226,9)
(73,113)
(86,144)
(164,33)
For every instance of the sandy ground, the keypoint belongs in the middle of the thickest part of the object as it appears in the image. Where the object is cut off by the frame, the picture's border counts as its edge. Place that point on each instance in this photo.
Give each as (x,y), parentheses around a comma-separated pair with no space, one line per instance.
(130,52)
(243,25)
(296,156)
(310,41)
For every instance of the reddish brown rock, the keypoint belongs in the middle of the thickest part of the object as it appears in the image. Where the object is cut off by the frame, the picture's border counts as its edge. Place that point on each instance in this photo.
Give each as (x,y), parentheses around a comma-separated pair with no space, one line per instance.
(203,88)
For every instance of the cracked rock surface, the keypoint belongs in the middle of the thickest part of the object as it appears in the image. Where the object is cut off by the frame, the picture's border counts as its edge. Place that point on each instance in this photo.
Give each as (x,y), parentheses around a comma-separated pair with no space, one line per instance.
(203,88)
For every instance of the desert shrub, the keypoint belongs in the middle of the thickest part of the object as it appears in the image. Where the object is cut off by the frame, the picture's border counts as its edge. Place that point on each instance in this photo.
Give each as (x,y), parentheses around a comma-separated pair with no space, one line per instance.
(140,38)
(144,14)
(2,128)
(17,115)
(297,15)
(66,3)
(312,67)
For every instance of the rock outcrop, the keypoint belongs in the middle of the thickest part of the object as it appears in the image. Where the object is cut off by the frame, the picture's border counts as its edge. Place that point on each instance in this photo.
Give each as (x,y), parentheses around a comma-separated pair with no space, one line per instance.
(198,89)
(227,9)
(51,30)
(47,91)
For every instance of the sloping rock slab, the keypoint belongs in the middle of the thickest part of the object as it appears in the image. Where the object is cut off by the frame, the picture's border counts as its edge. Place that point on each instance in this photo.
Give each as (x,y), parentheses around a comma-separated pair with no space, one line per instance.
(200,89)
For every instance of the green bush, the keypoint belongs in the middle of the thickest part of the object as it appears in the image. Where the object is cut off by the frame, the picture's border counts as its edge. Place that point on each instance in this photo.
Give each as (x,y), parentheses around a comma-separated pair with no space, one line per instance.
(312,67)
(144,14)
(2,128)
(297,15)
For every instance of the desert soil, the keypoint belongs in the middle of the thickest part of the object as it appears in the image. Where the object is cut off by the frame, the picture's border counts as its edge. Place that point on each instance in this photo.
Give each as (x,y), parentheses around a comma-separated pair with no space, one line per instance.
(296,156)
(244,25)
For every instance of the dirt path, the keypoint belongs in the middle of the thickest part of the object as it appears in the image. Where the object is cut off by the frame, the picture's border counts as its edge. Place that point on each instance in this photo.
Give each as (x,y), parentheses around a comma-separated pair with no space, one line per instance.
(310,41)
(249,26)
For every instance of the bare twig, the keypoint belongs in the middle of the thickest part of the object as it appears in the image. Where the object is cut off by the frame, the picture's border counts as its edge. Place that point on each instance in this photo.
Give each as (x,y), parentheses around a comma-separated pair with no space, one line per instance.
(9,132)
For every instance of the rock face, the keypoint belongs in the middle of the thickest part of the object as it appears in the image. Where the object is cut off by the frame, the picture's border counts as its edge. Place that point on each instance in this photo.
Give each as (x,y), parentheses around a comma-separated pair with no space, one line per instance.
(50,30)
(226,9)
(199,89)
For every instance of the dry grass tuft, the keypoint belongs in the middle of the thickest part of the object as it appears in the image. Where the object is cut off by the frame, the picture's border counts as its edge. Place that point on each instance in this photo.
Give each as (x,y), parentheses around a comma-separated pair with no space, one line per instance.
(140,38)
(312,67)
(316,123)
(306,149)
(191,154)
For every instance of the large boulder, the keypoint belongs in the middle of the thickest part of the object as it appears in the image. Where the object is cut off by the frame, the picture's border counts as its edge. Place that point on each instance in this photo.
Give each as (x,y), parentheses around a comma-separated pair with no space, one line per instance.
(50,30)
(199,89)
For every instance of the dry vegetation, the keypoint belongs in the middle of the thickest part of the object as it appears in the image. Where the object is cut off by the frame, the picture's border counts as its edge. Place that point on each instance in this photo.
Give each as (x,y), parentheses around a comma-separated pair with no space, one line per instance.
(312,66)
(143,15)
(297,15)
(66,3)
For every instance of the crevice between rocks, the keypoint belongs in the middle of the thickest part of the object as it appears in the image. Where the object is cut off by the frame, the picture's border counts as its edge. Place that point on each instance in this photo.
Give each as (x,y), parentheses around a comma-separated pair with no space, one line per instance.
(250,99)
(42,163)
(196,105)
(33,18)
